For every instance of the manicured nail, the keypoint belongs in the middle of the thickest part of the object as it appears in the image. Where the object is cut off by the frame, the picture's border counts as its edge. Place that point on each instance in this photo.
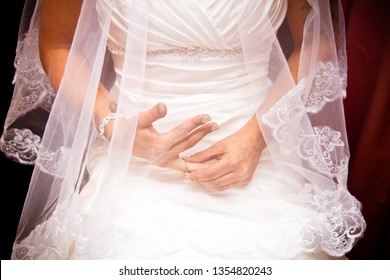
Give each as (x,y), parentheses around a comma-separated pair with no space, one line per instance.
(214,127)
(206,119)
(159,108)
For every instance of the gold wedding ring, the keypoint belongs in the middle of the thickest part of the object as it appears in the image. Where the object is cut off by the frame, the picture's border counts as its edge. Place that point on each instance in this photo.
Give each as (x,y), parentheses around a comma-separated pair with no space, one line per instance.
(186,170)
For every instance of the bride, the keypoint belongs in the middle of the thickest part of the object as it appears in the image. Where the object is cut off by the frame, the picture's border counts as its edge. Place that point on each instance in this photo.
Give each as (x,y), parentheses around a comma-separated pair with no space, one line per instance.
(183,129)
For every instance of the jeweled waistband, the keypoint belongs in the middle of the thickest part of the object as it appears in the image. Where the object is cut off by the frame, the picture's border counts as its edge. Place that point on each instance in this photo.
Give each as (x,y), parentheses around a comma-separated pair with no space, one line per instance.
(188,54)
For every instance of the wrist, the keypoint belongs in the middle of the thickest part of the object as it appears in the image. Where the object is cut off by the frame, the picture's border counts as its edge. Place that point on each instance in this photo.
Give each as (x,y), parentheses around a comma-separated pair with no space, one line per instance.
(106,121)
(252,128)
(105,113)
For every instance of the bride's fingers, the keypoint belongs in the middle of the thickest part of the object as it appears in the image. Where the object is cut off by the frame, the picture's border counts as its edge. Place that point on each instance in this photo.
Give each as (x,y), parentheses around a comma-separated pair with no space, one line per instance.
(181,131)
(213,171)
(148,117)
(224,182)
(213,152)
(195,136)
(191,167)
(177,163)
(188,167)
(220,175)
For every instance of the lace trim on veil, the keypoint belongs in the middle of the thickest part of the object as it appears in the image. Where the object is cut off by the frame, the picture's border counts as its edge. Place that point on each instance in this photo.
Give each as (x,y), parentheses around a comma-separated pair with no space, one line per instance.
(30,104)
(339,225)
(334,230)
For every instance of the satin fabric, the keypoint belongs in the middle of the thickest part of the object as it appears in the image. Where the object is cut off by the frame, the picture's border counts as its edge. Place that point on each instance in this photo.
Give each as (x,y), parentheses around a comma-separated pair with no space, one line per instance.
(91,199)
(155,214)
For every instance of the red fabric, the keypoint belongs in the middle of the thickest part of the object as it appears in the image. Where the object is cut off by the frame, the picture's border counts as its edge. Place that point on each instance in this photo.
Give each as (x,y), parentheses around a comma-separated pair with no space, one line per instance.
(367,109)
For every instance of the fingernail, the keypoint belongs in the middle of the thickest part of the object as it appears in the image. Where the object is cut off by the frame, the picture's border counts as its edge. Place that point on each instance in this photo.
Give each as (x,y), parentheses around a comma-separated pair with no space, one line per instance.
(206,119)
(214,127)
(159,108)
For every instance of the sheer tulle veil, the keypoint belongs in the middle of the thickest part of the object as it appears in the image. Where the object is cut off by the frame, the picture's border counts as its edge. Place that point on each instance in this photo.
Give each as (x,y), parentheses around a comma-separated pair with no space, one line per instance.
(302,122)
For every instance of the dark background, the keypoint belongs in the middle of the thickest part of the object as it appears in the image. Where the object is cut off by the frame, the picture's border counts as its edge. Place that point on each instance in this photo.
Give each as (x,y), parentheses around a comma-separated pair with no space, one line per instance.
(367,109)
(14,177)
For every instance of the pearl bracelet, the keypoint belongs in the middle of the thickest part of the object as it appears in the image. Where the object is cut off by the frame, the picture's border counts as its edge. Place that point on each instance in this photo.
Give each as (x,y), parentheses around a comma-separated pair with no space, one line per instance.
(106,120)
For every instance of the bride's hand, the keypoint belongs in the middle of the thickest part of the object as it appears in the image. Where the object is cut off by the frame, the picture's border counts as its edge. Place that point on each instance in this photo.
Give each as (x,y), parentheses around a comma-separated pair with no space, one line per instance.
(163,149)
(235,159)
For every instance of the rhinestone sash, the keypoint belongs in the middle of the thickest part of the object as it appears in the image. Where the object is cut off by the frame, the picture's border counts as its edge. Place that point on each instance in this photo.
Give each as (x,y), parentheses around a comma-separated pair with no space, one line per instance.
(188,54)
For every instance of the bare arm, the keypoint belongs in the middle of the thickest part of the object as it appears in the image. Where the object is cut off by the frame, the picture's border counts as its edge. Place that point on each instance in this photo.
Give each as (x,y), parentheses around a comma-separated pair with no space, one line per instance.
(296,16)
(57,25)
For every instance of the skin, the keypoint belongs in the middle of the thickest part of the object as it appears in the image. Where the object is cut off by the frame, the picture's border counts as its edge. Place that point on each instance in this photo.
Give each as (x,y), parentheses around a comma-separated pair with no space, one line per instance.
(57,26)
(238,155)
(235,157)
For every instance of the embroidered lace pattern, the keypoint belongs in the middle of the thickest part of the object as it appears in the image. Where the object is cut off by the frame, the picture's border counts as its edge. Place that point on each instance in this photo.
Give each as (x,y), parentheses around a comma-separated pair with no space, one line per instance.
(37,89)
(52,240)
(34,92)
(53,163)
(323,91)
(24,145)
(341,224)
(318,149)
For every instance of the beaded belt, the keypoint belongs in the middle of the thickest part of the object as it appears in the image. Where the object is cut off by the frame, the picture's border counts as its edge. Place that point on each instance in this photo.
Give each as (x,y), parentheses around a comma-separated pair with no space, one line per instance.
(189,54)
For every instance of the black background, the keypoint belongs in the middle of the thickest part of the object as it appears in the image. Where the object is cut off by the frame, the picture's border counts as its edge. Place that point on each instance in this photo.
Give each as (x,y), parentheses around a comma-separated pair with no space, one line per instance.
(15,177)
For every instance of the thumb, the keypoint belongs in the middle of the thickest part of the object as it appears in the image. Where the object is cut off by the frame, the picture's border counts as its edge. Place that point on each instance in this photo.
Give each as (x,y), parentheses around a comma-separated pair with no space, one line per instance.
(148,117)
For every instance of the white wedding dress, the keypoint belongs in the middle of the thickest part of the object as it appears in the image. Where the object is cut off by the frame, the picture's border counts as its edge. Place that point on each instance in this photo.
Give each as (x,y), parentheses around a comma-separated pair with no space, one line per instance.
(153,214)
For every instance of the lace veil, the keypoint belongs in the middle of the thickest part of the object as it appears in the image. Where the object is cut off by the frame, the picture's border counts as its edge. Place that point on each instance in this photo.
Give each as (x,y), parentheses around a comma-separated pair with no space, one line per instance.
(302,122)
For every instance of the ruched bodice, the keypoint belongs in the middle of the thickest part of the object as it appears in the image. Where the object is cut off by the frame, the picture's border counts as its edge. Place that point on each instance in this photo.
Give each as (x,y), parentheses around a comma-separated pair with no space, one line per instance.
(197,23)
(138,194)
(194,31)
(195,62)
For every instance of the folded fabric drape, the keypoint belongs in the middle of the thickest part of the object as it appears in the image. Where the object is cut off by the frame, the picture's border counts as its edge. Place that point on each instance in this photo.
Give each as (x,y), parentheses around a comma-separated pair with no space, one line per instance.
(93,199)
